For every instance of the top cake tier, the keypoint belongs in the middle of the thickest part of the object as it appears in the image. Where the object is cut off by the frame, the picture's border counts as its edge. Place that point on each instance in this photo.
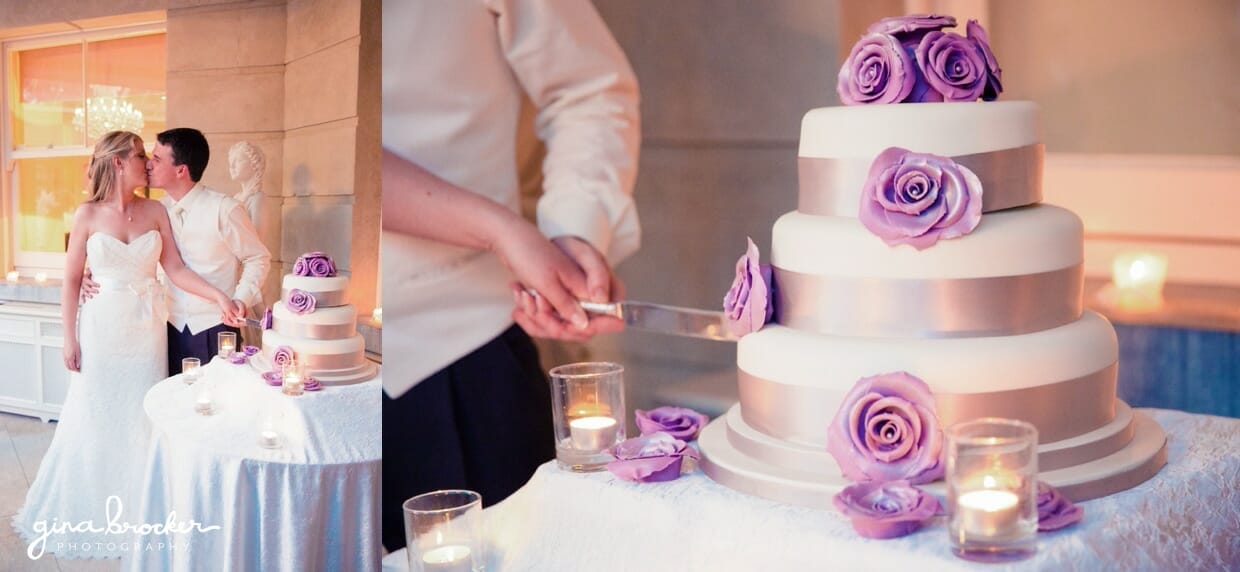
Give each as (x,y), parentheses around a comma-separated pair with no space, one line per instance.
(999,141)
(863,131)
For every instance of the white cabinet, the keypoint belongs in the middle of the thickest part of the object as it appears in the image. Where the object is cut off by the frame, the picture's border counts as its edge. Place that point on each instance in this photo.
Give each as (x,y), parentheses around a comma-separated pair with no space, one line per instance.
(33,378)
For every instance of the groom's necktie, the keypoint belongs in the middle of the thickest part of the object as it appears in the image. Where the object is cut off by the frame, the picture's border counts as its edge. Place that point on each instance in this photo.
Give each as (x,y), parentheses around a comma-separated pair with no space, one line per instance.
(178,213)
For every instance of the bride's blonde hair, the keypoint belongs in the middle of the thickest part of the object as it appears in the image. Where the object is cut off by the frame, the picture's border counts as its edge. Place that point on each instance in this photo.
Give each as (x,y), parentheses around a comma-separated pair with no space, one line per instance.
(102,171)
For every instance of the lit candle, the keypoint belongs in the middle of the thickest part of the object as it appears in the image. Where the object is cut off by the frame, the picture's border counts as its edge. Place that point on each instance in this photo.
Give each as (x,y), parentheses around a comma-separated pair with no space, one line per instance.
(593,433)
(453,558)
(293,382)
(202,404)
(377,315)
(13,276)
(988,513)
(1139,278)
(40,277)
(191,370)
(227,344)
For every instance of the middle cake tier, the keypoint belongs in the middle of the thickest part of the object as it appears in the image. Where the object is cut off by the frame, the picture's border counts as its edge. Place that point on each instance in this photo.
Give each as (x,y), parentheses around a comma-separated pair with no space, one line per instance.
(1019,272)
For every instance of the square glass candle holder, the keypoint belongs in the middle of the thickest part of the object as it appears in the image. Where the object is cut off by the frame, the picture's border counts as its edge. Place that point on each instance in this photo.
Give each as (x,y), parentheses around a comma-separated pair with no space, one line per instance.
(443,532)
(226,344)
(588,413)
(992,482)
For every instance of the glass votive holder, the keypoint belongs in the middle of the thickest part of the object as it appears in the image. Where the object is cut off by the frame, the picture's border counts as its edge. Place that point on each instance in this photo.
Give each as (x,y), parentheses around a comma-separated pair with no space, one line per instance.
(269,431)
(992,482)
(226,344)
(204,397)
(588,413)
(293,378)
(443,532)
(191,370)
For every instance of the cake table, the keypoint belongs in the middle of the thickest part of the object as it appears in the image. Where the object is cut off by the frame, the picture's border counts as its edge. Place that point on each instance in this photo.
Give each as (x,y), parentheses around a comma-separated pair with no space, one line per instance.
(312,504)
(1184,518)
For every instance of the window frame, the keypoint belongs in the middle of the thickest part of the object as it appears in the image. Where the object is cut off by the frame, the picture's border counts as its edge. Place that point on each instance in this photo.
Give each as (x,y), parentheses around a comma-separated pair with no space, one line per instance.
(31,262)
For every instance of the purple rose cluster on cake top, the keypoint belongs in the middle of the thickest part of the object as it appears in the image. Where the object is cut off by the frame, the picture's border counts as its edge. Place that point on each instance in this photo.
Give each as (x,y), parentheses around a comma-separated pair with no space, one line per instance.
(909,59)
(315,264)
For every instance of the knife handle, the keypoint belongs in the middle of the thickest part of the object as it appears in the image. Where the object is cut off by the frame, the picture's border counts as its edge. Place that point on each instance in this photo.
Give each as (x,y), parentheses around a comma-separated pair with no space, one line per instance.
(608,308)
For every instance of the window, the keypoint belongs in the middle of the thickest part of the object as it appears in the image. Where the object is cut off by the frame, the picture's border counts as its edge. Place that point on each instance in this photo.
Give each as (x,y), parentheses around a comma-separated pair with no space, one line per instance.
(61,93)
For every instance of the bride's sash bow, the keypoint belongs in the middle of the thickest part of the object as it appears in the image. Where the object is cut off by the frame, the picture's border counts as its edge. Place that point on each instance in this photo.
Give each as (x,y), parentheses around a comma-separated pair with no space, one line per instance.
(150,293)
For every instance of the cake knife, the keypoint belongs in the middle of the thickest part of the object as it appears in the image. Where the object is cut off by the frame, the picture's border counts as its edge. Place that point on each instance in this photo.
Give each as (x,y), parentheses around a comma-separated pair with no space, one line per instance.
(665,319)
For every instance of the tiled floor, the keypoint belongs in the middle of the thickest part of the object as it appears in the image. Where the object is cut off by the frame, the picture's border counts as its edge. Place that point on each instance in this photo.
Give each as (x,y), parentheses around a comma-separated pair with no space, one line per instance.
(23,440)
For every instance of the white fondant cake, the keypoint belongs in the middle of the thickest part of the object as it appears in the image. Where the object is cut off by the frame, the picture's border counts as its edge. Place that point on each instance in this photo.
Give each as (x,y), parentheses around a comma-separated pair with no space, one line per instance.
(325,339)
(991,321)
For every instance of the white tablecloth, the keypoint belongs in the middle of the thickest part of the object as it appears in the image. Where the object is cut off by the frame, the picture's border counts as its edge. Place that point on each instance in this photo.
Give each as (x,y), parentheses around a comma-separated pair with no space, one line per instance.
(1186,518)
(312,504)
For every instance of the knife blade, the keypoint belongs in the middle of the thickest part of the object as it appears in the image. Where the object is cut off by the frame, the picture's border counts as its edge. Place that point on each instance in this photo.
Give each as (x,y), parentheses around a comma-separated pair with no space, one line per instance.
(671,320)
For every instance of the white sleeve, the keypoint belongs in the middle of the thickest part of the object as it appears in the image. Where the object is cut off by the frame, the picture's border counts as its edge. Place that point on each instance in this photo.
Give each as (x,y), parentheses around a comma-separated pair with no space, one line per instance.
(587,99)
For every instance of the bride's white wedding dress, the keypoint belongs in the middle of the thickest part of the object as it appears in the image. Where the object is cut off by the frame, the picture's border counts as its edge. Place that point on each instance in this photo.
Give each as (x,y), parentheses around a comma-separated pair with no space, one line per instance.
(99,446)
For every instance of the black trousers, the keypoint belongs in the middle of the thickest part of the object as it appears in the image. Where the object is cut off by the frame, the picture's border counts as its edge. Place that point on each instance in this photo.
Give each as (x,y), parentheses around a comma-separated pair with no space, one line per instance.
(203,346)
(482,424)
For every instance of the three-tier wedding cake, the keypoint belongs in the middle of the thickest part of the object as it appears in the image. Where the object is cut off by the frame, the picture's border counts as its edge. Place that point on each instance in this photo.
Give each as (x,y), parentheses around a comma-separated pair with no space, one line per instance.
(313,323)
(920,249)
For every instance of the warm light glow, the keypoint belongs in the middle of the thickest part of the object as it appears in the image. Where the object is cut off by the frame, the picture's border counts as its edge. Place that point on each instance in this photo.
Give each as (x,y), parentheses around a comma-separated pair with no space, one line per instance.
(40,277)
(1140,270)
(989,500)
(377,315)
(593,422)
(989,482)
(12,276)
(1139,279)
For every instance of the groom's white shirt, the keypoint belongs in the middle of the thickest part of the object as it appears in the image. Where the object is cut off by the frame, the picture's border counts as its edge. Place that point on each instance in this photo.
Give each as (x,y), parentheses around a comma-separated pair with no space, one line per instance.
(217,240)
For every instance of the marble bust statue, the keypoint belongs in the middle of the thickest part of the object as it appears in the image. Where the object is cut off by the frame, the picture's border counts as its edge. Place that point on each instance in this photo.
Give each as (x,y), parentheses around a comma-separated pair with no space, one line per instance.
(246,164)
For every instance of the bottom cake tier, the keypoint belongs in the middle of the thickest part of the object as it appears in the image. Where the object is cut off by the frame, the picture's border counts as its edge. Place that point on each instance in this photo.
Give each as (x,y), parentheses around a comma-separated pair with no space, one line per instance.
(1118,456)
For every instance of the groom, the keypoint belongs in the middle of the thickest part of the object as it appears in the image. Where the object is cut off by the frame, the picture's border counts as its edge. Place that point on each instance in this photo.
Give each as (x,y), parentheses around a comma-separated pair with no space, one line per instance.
(217,240)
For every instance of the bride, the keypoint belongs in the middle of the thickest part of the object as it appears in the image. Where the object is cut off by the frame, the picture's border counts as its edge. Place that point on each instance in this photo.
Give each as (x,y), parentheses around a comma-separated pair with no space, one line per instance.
(116,351)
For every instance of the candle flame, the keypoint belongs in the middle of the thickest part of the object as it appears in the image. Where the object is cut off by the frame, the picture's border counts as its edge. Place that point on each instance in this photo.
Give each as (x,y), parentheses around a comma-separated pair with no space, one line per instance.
(989,482)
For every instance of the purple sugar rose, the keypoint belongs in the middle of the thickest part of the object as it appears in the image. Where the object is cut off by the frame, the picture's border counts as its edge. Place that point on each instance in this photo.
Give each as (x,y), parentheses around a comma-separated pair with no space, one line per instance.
(312,384)
(237,358)
(1055,511)
(650,458)
(300,301)
(679,422)
(953,65)
(908,30)
(748,305)
(886,510)
(878,70)
(249,350)
(267,320)
(314,264)
(917,199)
(886,429)
(273,378)
(976,34)
(282,356)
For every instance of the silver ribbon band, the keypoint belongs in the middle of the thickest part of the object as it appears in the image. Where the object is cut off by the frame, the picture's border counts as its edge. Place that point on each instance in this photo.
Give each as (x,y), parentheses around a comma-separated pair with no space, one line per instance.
(1059,410)
(314,331)
(1010,178)
(928,308)
(331,361)
(321,299)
